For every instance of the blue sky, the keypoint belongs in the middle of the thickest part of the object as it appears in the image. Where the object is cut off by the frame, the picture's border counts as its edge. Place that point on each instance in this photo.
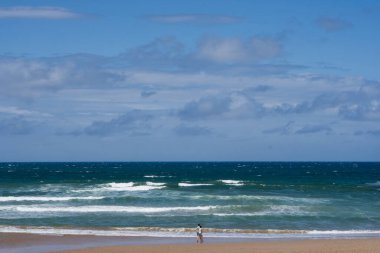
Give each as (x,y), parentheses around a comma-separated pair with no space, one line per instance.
(189,80)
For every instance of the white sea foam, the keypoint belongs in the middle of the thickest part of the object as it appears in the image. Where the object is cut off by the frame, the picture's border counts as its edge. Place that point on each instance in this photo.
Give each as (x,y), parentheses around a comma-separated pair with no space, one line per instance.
(191,185)
(44,198)
(189,232)
(154,184)
(119,185)
(130,187)
(235,214)
(263,198)
(232,182)
(284,210)
(277,210)
(101,209)
(343,232)
(143,231)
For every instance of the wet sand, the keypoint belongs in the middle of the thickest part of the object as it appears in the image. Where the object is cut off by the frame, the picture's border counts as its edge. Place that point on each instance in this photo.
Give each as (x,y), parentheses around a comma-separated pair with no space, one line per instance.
(33,243)
(36,243)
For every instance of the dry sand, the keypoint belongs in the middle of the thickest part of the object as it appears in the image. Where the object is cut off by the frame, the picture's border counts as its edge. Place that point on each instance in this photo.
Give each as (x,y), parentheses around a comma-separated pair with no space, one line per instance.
(304,246)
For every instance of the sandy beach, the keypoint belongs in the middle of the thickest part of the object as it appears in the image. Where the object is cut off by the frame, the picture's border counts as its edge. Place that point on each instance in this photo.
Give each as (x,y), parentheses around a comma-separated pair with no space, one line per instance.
(34,243)
(310,246)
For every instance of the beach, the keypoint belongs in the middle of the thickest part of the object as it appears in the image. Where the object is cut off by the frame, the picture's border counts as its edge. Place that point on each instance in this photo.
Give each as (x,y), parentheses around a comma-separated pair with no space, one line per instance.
(311,246)
(16,243)
(71,206)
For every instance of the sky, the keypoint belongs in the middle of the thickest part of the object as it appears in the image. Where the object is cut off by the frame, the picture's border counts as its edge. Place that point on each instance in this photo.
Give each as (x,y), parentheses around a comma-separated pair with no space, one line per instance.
(178,80)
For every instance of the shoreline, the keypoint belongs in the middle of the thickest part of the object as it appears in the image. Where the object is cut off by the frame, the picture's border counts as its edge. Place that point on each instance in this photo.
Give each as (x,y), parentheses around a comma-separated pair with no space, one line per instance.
(186,232)
(14,242)
(40,243)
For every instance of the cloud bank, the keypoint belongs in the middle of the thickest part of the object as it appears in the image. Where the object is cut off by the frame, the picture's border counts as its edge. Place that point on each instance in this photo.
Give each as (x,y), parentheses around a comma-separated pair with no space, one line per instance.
(233,50)
(38,13)
(229,91)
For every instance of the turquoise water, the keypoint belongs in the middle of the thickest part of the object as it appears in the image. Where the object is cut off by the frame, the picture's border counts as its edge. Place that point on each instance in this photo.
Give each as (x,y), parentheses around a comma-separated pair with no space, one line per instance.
(169,199)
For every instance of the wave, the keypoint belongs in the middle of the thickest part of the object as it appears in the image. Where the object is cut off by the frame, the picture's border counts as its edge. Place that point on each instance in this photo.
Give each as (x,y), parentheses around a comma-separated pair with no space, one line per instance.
(284,210)
(130,186)
(154,184)
(214,210)
(275,210)
(191,185)
(263,198)
(155,176)
(45,198)
(189,232)
(374,184)
(101,209)
(231,182)
(235,214)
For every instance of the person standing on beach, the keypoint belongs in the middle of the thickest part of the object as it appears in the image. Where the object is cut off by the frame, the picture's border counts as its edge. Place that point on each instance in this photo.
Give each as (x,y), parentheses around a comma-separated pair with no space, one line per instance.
(199,234)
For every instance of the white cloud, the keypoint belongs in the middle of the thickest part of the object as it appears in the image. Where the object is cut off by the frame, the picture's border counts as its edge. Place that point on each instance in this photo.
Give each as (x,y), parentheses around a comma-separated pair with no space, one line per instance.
(222,50)
(22,77)
(92,93)
(38,12)
(13,110)
(233,50)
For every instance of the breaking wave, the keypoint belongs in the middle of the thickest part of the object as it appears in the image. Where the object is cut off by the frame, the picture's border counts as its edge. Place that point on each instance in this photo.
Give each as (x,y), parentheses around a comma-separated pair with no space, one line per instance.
(130,186)
(232,182)
(101,209)
(44,198)
(189,232)
(191,185)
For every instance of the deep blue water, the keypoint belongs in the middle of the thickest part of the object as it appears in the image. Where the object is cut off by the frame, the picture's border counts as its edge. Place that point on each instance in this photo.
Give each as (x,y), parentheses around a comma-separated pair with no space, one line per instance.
(234,197)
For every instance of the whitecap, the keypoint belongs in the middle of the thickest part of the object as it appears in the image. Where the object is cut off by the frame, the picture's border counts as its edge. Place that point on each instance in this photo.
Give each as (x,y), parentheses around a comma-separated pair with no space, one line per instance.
(44,198)
(155,176)
(191,185)
(234,214)
(154,184)
(231,182)
(129,187)
(119,187)
(101,209)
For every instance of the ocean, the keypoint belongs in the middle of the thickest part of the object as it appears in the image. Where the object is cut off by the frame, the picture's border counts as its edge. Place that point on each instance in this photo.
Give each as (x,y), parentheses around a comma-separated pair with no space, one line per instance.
(168,199)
